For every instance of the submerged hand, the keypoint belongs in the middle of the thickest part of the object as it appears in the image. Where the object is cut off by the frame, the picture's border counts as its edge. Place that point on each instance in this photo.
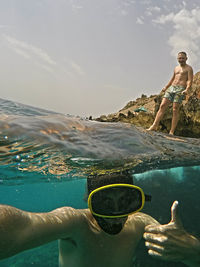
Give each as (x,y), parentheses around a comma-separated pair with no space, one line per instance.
(171,242)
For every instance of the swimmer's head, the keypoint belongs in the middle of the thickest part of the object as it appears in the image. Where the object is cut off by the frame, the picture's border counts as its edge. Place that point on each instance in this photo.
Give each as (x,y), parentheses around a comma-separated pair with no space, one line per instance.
(96,181)
(111,226)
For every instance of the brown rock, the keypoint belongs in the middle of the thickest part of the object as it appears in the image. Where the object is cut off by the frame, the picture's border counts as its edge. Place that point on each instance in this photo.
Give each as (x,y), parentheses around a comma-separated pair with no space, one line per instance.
(189,122)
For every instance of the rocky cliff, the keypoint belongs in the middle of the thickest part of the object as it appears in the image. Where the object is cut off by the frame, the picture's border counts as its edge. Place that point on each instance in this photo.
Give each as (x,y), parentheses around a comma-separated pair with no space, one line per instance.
(141,112)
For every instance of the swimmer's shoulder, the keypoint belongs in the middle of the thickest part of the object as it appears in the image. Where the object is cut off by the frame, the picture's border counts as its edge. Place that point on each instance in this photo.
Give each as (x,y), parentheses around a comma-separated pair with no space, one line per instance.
(69,217)
(137,222)
(142,219)
(81,214)
(79,221)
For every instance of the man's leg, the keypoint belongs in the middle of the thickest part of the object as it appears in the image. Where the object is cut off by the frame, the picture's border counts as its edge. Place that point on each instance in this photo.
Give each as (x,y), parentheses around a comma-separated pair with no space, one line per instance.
(175,117)
(164,104)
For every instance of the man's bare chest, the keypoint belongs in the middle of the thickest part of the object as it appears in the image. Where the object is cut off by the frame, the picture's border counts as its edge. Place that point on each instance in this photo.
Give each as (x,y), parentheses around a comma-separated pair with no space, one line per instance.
(99,251)
(181,73)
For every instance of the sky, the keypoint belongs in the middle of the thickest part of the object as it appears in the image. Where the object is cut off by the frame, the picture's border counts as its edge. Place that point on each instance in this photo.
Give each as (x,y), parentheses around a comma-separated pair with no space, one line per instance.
(91,57)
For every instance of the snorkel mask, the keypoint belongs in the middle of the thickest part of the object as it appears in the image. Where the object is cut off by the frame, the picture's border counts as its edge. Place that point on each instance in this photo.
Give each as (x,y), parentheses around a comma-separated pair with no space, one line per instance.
(115,201)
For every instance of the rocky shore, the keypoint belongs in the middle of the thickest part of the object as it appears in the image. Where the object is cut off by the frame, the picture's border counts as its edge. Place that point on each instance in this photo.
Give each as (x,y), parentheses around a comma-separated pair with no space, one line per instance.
(141,112)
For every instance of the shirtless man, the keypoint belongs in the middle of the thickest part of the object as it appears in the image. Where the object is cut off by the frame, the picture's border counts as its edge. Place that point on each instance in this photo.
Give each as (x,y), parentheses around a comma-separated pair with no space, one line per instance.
(175,92)
(104,235)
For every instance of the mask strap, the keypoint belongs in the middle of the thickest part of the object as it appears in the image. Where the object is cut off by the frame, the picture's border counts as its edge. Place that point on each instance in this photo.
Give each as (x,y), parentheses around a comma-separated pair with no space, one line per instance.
(148,197)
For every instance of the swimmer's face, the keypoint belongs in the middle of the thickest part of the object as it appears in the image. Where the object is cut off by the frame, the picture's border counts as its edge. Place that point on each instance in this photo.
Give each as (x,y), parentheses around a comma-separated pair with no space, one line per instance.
(181,58)
(115,200)
(116,221)
(111,226)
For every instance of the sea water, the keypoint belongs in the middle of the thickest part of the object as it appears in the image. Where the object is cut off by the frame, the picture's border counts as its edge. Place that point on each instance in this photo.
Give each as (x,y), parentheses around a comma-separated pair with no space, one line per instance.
(45,158)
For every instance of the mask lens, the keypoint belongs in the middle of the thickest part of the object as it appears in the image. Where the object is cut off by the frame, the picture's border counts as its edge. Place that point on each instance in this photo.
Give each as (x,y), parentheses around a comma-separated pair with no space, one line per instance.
(117,200)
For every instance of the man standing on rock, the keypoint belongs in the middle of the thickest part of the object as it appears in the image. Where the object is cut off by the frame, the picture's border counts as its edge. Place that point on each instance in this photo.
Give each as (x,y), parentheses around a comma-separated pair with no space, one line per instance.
(175,91)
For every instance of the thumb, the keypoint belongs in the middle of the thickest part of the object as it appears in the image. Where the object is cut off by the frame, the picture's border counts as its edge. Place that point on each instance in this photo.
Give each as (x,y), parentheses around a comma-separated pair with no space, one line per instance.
(175,217)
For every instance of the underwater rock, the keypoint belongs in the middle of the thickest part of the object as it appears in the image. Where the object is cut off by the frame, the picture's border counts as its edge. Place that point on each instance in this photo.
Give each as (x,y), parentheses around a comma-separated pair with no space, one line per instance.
(188,125)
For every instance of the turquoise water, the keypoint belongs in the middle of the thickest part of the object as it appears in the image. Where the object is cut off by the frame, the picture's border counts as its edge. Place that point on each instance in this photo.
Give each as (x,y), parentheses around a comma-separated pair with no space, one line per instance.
(41,197)
(46,157)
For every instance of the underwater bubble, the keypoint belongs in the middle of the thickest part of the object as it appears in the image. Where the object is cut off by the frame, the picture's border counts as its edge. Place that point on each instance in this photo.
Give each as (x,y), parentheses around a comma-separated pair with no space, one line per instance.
(18,158)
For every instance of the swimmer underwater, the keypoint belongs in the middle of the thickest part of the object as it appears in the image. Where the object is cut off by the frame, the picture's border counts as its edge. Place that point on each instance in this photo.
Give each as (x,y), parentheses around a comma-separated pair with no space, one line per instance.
(106,234)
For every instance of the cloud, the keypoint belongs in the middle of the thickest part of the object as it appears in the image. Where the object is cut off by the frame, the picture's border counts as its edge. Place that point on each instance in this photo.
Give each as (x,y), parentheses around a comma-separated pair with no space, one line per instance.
(77,68)
(30,52)
(140,20)
(21,52)
(164,18)
(152,9)
(41,58)
(146,2)
(124,6)
(124,12)
(75,5)
(185,32)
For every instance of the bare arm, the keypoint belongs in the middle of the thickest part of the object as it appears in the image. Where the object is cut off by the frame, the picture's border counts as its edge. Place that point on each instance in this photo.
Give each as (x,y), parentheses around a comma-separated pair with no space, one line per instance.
(169,83)
(171,242)
(190,79)
(21,230)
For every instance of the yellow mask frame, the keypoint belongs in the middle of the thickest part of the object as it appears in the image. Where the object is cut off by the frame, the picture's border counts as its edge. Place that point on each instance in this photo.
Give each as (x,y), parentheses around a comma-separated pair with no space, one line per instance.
(115,186)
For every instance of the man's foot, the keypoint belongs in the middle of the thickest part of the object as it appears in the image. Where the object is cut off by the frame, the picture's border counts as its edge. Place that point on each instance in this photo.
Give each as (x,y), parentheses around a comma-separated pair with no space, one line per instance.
(171,133)
(152,128)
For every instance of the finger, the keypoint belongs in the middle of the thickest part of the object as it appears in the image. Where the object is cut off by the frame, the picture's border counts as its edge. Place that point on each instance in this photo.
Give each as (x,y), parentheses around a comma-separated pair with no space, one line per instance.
(154,253)
(154,247)
(156,239)
(175,218)
(155,229)
(163,256)
(174,211)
